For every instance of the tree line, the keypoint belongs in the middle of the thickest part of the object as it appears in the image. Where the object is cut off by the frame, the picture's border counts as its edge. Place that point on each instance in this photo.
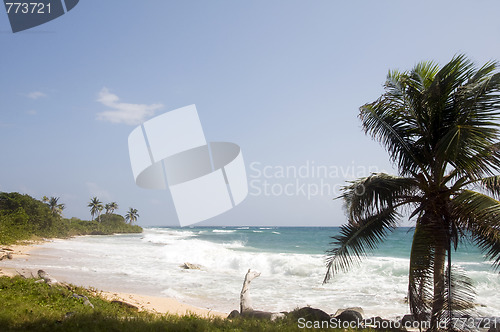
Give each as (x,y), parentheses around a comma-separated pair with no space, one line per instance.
(96,208)
(23,217)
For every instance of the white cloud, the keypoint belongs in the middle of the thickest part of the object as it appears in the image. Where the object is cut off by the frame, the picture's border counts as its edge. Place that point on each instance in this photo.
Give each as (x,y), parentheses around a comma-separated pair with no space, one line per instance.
(131,114)
(36,95)
(96,191)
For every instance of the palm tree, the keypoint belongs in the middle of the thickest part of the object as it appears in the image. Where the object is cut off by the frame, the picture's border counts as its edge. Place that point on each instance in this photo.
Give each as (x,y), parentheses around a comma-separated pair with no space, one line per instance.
(54,206)
(440,127)
(99,211)
(111,207)
(131,215)
(95,206)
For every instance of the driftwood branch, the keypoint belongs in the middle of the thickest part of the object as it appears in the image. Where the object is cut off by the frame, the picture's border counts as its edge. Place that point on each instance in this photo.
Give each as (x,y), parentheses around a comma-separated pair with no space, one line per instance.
(246,309)
(245,301)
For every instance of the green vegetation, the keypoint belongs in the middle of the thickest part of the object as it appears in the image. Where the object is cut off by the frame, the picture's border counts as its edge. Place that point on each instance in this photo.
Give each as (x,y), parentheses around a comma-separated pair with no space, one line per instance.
(30,306)
(441,128)
(24,218)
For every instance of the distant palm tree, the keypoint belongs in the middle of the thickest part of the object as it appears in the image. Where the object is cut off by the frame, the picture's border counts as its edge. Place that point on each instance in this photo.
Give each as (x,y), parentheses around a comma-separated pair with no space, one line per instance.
(95,206)
(131,215)
(111,207)
(99,211)
(54,206)
(441,128)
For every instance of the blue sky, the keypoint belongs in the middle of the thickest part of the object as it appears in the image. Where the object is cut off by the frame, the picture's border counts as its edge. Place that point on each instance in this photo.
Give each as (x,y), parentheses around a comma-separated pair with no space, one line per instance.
(283,79)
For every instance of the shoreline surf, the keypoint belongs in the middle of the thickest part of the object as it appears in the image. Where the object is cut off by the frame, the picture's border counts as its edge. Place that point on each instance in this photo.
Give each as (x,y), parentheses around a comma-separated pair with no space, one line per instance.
(150,264)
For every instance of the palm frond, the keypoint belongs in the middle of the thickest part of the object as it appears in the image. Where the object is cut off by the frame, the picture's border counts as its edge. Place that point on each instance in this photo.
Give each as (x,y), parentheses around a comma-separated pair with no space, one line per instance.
(461,293)
(370,195)
(420,288)
(355,239)
(491,185)
(487,239)
(470,121)
(471,206)
(479,214)
(392,128)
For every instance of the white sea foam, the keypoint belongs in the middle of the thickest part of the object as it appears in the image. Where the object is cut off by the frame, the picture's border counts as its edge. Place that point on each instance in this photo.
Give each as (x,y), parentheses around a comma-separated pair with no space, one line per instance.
(150,263)
(223,231)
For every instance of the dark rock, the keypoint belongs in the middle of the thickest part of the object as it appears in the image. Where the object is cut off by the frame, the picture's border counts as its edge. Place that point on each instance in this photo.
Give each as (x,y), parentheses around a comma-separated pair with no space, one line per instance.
(358,309)
(407,319)
(233,314)
(310,314)
(349,316)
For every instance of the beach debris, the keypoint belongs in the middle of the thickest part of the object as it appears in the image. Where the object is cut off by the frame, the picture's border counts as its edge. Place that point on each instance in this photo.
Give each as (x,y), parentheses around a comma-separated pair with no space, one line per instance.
(21,275)
(47,278)
(125,304)
(5,253)
(246,309)
(245,301)
(190,266)
(84,298)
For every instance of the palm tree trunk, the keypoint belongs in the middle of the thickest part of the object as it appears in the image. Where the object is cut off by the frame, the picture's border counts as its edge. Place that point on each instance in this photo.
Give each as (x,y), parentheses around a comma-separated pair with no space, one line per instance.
(439,284)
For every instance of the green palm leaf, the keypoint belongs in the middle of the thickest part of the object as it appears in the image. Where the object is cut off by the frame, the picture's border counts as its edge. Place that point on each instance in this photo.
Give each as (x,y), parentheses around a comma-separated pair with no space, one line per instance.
(462,294)
(355,239)
(420,272)
(370,195)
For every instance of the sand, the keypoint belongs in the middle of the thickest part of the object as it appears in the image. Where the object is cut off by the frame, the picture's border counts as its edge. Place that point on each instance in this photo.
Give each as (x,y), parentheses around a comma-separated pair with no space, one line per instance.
(19,251)
(161,305)
(155,304)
